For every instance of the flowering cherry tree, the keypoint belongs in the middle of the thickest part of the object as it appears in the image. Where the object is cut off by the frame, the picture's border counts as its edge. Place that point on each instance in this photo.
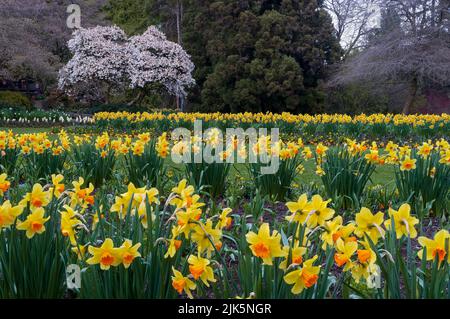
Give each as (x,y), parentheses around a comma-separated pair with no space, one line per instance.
(105,62)
(154,59)
(98,67)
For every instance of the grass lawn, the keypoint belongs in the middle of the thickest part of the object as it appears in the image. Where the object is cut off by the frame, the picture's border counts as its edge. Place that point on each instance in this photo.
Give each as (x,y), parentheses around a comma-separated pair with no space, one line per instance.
(27,130)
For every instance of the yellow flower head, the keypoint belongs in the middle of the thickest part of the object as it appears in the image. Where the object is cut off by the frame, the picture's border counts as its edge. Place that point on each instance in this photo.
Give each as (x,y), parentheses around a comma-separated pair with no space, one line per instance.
(203,234)
(8,214)
(224,220)
(182,284)
(82,196)
(403,221)
(296,254)
(174,244)
(199,268)
(318,212)
(128,252)
(138,148)
(321,149)
(436,247)
(425,150)
(58,187)
(105,255)
(367,223)
(305,277)
(69,222)
(34,224)
(265,245)
(344,253)
(37,198)
(334,230)
(408,164)
(320,171)
(4,184)
(298,209)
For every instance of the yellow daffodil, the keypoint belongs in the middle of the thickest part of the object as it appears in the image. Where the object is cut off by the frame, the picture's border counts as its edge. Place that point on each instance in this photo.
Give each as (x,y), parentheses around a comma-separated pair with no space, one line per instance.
(174,244)
(321,149)
(373,157)
(82,196)
(34,223)
(320,171)
(436,247)
(9,213)
(182,284)
(200,269)
(344,253)
(408,164)
(138,148)
(305,277)
(128,253)
(425,150)
(69,222)
(105,255)
(265,245)
(4,184)
(364,266)
(334,230)
(187,218)
(58,188)
(445,157)
(224,220)
(203,234)
(367,223)
(297,209)
(404,222)
(144,137)
(296,254)
(318,212)
(37,198)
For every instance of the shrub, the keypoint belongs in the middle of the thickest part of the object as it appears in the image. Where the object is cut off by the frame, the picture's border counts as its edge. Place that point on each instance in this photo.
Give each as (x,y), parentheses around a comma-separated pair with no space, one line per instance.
(15,99)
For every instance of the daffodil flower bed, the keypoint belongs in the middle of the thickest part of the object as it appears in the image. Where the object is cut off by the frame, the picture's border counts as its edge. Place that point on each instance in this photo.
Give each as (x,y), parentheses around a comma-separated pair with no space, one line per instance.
(108,205)
(137,243)
(312,128)
(421,172)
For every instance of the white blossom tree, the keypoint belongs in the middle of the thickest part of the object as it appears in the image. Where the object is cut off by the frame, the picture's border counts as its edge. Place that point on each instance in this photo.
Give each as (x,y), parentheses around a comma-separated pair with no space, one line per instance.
(98,68)
(105,62)
(156,60)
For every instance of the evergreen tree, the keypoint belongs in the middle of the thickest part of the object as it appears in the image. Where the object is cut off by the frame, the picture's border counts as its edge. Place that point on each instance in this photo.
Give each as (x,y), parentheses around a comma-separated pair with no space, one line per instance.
(259,55)
(249,55)
(135,16)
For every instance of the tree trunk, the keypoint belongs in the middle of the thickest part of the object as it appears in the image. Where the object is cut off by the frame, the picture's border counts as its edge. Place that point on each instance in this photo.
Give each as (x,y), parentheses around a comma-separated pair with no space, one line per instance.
(138,99)
(411,97)
(433,13)
(179,100)
(108,94)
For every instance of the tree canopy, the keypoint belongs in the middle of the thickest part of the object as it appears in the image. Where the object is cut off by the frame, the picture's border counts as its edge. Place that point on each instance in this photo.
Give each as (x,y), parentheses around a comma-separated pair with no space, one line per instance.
(249,55)
(410,48)
(34,35)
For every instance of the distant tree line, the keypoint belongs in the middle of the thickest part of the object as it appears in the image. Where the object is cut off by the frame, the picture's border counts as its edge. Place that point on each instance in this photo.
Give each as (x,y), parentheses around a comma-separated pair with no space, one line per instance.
(257,55)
